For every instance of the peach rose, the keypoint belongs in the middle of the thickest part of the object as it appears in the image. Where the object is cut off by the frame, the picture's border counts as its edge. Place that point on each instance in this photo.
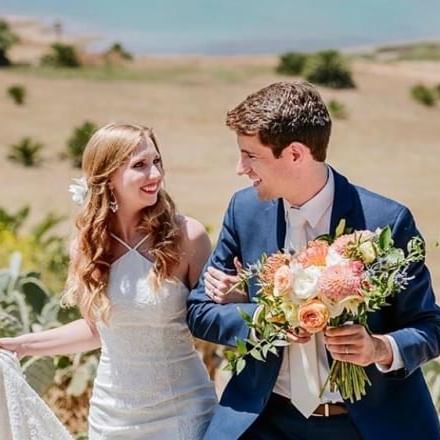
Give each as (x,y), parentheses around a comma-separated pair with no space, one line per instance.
(283,281)
(313,316)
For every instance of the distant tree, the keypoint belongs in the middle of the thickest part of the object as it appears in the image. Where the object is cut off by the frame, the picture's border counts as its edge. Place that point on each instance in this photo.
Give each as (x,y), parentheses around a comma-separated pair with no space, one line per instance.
(7,40)
(437,89)
(423,95)
(337,109)
(78,141)
(17,93)
(291,63)
(328,68)
(61,55)
(116,49)
(26,152)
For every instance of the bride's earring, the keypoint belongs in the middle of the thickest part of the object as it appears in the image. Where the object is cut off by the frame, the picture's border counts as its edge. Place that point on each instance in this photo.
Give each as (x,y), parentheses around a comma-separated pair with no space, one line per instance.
(113,202)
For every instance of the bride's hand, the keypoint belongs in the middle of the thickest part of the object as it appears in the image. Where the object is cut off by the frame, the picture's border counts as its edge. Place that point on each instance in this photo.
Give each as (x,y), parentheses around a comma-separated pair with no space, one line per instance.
(13,345)
(220,287)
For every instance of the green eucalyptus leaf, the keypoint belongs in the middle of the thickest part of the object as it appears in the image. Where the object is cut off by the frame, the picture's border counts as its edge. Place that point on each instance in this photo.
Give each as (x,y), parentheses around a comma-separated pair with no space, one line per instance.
(255,353)
(241,346)
(5,279)
(230,355)
(340,229)
(245,316)
(49,314)
(385,238)
(273,350)
(9,325)
(280,343)
(23,310)
(35,293)
(241,363)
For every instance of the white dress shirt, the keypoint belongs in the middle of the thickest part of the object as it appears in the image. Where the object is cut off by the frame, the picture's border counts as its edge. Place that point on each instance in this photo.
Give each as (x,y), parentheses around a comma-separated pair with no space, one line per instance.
(318,211)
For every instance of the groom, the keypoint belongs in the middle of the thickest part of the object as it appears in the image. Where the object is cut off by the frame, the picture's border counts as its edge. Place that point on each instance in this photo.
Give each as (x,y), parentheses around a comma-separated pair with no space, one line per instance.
(283,131)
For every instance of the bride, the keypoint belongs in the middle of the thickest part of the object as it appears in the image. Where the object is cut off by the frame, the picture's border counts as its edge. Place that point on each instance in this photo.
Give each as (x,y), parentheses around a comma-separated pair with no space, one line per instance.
(133,262)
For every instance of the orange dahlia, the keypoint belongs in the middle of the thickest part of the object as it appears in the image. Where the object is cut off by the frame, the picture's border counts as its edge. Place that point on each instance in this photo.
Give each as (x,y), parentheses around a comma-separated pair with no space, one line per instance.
(341,280)
(272,264)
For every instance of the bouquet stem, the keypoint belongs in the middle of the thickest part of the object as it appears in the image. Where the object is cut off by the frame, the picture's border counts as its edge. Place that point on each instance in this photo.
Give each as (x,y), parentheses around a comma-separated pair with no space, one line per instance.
(349,379)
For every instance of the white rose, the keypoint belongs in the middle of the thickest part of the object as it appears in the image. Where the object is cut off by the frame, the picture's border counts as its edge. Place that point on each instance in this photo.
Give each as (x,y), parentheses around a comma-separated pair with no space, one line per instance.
(305,282)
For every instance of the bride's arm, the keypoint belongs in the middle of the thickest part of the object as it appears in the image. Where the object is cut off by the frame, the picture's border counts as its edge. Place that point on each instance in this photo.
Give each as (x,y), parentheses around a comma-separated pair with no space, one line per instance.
(196,247)
(75,337)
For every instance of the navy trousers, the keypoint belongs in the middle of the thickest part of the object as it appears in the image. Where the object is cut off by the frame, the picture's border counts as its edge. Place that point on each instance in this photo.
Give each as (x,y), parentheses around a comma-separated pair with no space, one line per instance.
(280,420)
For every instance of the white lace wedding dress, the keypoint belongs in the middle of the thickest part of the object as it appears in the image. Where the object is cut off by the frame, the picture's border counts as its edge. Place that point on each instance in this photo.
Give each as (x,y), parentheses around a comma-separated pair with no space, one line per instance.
(151,383)
(23,414)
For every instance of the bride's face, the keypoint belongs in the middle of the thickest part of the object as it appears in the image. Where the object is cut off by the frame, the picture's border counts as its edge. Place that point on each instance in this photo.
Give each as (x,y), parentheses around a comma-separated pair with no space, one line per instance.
(136,184)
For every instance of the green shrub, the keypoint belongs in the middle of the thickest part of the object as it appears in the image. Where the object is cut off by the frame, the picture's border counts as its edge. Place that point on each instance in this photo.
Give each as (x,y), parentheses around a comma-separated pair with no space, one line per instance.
(78,141)
(116,49)
(41,249)
(62,55)
(291,63)
(7,40)
(17,93)
(437,90)
(337,109)
(328,68)
(27,305)
(26,152)
(423,95)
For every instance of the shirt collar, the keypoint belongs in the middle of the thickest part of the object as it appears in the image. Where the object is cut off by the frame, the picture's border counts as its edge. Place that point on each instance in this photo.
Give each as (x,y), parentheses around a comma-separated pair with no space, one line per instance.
(314,209)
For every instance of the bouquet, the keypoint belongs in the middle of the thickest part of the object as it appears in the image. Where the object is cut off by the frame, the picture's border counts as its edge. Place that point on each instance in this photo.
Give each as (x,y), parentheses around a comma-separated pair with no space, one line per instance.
(333,281)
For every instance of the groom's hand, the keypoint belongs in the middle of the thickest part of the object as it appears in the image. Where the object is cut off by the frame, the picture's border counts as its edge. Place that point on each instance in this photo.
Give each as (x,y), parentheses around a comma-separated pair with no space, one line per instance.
(352,343)
(223,288)
(298,335)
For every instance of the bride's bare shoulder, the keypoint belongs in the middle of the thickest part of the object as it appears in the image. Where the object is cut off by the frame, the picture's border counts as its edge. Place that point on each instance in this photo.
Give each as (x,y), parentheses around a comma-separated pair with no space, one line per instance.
(195,238)
(191,228)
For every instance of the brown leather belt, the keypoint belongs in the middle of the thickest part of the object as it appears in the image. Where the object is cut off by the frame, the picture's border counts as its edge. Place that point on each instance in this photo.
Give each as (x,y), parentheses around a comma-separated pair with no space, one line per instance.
(330,409)
(323,410)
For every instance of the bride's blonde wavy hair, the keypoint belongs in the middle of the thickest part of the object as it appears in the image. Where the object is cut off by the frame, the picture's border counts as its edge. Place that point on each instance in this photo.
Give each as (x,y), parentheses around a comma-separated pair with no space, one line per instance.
(108,149)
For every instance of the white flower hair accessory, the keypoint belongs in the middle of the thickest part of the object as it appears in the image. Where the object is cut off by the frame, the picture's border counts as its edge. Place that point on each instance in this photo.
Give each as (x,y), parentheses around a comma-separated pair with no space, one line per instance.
(79,190)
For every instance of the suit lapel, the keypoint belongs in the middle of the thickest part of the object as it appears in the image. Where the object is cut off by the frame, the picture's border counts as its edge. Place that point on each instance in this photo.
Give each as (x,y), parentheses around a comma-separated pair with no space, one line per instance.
(343,203)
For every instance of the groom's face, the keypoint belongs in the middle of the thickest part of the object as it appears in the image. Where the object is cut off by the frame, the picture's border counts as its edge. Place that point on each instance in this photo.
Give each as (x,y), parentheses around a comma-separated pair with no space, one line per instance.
(267,173)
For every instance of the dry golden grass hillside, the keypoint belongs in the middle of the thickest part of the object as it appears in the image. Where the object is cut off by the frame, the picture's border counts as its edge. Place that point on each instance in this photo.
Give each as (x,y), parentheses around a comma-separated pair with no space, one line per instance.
(388,143)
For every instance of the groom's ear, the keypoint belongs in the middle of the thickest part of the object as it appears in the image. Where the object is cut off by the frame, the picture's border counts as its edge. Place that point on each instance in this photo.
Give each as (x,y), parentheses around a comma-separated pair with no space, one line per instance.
(297,152)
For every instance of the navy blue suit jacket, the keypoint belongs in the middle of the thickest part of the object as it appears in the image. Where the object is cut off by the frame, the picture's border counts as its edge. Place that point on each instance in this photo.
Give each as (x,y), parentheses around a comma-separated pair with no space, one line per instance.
(397,405)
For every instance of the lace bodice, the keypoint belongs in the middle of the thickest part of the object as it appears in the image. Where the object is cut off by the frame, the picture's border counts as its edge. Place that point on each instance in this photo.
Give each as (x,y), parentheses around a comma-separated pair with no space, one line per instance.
(150,383)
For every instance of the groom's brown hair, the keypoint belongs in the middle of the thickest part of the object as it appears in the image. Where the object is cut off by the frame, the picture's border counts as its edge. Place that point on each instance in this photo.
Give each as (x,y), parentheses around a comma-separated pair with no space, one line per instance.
(283,113)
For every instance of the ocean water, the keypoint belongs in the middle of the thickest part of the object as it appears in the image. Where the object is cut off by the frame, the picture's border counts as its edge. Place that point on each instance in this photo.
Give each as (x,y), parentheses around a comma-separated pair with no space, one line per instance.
(235,27)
